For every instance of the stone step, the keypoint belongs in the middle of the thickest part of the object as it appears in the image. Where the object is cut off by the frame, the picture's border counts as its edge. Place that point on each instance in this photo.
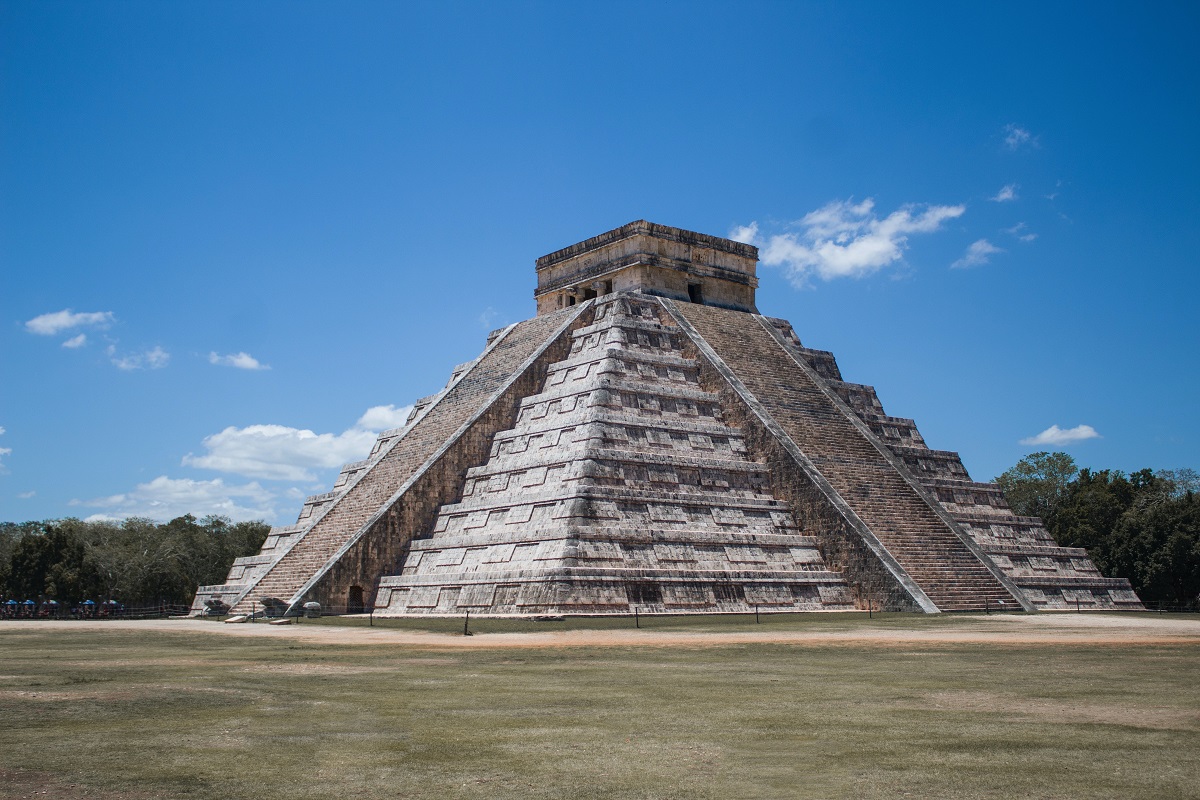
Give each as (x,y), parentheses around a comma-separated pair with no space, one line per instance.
(923,544)
(371,490)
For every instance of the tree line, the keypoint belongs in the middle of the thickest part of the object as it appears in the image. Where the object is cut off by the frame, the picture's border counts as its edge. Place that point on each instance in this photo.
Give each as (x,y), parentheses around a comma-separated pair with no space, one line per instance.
(137,562)
(1144,526)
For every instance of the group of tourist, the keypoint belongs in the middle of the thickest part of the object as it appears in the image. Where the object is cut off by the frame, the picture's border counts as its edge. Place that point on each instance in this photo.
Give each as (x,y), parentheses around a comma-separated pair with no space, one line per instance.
(52,609)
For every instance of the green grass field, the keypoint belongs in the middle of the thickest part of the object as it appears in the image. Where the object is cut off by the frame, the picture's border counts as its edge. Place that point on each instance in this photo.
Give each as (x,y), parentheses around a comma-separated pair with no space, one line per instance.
(116,714)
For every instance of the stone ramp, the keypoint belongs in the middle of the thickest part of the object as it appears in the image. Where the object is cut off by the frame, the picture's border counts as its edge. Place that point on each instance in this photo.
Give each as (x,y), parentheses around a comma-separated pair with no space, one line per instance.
(373,490)
(934,555)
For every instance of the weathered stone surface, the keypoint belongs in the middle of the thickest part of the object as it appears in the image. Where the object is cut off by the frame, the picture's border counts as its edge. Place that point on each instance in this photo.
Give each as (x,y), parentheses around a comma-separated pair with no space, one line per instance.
(1049,576)
(619,486)
(650,259)
(649,441)
(463,416)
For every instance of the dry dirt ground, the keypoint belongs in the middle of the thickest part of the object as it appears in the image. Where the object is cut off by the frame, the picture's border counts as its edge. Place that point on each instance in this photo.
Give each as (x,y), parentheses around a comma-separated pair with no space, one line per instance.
(1006,629)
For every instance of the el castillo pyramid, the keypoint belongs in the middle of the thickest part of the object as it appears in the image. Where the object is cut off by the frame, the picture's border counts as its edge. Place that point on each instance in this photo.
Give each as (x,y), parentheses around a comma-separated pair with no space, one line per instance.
(650,441)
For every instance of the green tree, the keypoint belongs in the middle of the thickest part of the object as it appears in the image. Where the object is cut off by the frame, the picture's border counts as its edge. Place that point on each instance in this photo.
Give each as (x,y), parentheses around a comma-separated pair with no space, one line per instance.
(1086,517)
(136,561)
(1156,544)
(1038,483)
(1181,481)
(51,565)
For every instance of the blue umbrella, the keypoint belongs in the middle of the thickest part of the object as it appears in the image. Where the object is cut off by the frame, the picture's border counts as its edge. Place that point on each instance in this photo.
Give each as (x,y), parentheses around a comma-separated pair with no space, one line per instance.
(12,603)
(29,603)
(89,602)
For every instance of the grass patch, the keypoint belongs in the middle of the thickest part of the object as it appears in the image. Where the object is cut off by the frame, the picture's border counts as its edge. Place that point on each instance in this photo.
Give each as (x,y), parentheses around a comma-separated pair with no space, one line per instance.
(136,714)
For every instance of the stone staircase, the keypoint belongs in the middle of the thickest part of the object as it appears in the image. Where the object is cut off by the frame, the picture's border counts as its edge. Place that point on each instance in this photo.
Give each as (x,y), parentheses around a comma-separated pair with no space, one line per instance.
(371,491)
(1049,576)
(933,554)
(619,487)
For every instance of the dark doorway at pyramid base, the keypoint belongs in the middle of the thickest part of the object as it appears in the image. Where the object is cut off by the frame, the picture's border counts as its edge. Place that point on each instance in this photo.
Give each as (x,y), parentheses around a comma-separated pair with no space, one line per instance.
(354,601)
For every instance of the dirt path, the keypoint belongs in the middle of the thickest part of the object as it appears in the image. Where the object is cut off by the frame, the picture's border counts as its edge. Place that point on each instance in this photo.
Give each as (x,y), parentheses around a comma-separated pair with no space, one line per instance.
(999,629)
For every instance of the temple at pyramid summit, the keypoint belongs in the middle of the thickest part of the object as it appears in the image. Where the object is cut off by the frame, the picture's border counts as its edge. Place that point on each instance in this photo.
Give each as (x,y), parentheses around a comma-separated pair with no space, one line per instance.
(649,441)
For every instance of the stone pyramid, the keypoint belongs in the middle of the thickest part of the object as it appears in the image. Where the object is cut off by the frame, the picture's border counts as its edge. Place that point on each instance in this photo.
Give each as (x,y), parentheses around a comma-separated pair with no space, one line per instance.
(648,441)
(620,484)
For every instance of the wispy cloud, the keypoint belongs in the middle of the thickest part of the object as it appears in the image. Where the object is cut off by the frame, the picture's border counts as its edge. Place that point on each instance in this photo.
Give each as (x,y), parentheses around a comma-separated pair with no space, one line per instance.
(75,341)
(157,358)
(488,317)
(844,239)
(1007,193)
(4,451)
(1055,435)
(237,360)
(26,495)
(166,498)
(59,321)
(1016,137)
(278,452)
(1021,231)
(978,252)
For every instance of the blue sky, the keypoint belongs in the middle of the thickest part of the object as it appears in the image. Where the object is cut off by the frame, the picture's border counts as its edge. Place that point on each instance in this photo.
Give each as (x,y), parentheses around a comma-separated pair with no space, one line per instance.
(238,239)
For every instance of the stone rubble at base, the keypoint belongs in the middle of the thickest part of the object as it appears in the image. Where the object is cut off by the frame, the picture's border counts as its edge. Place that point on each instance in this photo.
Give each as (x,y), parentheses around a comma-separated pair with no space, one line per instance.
(649,441)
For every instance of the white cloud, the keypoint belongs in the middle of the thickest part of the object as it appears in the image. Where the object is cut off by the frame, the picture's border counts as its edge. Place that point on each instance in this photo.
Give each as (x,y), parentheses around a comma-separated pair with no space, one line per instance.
(1007,193)
(26,495)
(1020,230)
(166,498)
(149,359)
(1016,137)
(1055,435)
(843,240)
(2,430)
(382,418)
(746,234)
(237,360)
(58,321)
(4,451)
(75,341)
(977,253)
(277,452)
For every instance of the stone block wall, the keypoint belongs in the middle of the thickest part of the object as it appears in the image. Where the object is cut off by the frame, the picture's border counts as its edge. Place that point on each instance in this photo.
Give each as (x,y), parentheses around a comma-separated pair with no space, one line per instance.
(1049,576)
(619,486)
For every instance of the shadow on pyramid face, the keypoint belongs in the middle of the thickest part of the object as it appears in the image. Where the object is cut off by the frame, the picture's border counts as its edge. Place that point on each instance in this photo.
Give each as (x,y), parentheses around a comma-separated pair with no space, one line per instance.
(649,443)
